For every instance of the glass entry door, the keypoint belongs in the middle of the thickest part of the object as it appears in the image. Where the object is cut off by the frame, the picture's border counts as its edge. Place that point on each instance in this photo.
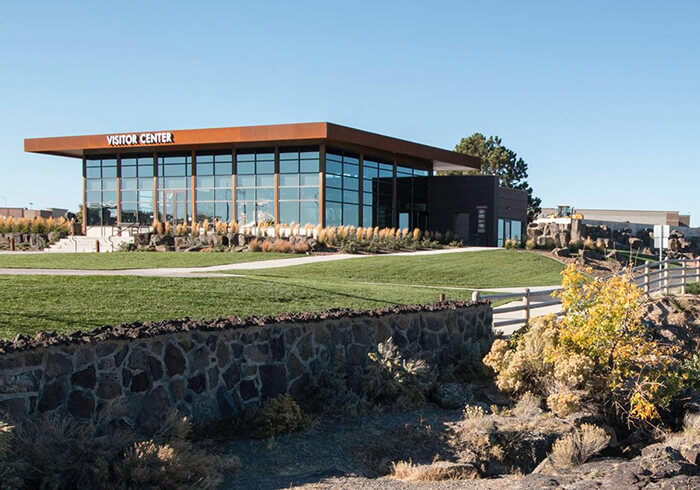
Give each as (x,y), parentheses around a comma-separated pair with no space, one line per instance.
(174,206)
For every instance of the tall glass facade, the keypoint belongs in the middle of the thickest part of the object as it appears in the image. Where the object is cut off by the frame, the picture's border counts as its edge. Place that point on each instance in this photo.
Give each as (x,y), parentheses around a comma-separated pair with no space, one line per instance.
(299,186)
(342,189)
(137,189)
(101,191)
(280,185)
(175,188)
(214,198)
(255,186)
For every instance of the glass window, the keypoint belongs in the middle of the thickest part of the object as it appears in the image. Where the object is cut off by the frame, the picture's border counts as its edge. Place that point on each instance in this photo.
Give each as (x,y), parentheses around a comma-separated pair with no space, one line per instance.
(309,180)
(265,167)
(334,214)
(289,167)
(289,212)
(129,196)
(333,194)
(334,181)
(223,168)
(129,183)
(334,167)
(222,195)
(205,168)
(308,193)
(289,155)
(309,166)
(351,197)
(145,183)
(309,212)
(93,173)
(246,181)
(265,157)
(93,185)
(265,180)
(246,168)
(351,216)
(245,157)
(289,180)
(128,171)
(265,194)
(109,184)
(205,195)
(351,183)
(222,181)
(205,181)
(289,193)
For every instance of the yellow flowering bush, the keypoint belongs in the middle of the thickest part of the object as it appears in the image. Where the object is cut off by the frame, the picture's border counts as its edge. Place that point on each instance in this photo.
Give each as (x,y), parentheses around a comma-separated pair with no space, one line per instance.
(599,347)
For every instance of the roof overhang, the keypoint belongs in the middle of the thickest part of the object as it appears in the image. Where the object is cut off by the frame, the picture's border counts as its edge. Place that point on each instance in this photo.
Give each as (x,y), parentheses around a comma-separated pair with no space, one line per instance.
(278,134)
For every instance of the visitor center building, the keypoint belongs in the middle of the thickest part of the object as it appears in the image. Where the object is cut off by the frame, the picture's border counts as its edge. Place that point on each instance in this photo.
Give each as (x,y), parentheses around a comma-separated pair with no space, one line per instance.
(307,173)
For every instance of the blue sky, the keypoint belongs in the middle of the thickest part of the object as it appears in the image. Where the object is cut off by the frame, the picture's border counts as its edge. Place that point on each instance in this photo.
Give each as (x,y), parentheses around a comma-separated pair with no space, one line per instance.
(601,99)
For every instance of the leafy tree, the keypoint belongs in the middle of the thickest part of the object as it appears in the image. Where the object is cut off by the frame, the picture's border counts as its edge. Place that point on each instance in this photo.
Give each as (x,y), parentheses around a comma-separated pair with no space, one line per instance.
(502,162)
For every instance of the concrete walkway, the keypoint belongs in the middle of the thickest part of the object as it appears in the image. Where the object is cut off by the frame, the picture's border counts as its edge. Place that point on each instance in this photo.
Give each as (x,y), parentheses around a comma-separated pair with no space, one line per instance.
(212,271)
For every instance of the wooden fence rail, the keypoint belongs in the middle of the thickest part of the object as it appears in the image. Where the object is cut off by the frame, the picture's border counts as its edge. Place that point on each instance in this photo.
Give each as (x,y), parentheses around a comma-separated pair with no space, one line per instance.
(666,277)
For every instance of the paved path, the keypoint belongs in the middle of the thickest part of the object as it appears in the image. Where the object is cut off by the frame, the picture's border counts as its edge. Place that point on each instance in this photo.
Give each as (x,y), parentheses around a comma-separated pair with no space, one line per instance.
(212,271)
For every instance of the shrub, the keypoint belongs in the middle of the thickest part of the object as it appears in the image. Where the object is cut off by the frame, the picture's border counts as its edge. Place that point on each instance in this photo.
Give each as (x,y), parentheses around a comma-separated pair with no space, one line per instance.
(255,245)
(283,246)
(528,406)
(301,248)
(600,346)
(349,247)
(390,379)
(693,288)
(282,415)
(564,403)
(530,244)
(266,246)
(578,446)
(53,452)
(437,471)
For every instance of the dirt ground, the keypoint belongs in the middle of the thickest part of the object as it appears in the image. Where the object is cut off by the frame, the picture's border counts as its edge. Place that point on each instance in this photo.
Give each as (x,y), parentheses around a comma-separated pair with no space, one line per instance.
(339,454)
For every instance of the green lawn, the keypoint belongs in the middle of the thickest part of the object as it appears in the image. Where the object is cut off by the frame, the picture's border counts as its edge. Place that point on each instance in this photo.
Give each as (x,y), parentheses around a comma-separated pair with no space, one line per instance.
(488,269)
(131,260)
(67,303)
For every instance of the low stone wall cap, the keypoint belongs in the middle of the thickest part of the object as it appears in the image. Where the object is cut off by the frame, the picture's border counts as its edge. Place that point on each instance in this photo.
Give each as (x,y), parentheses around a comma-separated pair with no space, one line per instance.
(137,330)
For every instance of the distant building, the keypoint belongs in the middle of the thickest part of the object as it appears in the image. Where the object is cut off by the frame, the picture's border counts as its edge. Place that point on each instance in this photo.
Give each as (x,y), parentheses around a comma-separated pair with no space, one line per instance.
(32,213)
(628,217)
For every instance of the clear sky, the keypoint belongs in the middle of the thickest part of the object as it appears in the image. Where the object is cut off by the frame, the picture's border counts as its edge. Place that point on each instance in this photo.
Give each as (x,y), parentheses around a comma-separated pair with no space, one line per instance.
(601,99)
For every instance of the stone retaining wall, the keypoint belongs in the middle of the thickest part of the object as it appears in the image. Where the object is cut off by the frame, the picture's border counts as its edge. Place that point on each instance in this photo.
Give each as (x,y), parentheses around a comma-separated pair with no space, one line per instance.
(217,368)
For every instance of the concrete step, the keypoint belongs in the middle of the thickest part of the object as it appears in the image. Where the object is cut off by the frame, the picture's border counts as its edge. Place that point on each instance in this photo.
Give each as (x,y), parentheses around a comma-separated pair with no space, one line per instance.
(73,244)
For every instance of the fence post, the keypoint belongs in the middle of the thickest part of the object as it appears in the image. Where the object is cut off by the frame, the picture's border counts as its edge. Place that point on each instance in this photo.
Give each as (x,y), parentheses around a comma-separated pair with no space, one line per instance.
(666,270)
(683,274)
(646,280)
(697,271)
(13,244)
(475,296)
(97,246)
(526,304)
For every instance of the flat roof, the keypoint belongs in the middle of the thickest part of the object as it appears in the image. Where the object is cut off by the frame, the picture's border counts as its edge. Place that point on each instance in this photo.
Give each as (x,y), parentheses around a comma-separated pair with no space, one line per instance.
(275,134)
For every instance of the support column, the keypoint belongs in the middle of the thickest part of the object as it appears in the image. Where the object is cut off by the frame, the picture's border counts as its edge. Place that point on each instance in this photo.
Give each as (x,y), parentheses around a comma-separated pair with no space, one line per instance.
(322,186)
(394,202)
(360,199)
(193,205)
(234,172)
(277,185)
(119,189)
(156,213)
(83,225)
